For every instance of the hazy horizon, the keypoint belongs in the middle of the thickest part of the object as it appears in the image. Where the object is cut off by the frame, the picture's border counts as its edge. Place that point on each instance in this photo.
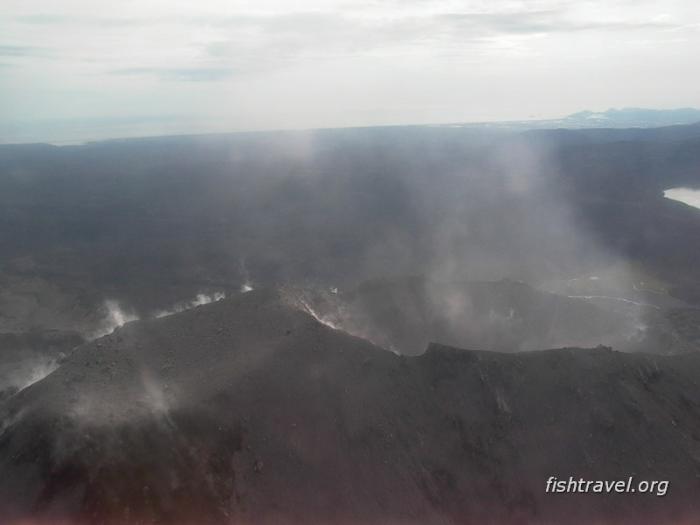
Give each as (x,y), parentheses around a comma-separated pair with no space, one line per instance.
(71,132)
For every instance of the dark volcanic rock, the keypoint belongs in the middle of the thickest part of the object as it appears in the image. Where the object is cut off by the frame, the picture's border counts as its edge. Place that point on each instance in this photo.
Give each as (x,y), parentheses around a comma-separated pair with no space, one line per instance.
(250,411)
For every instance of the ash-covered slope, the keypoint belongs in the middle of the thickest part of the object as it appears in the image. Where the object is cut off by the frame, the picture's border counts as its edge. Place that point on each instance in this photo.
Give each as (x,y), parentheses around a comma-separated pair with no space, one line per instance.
(250,411)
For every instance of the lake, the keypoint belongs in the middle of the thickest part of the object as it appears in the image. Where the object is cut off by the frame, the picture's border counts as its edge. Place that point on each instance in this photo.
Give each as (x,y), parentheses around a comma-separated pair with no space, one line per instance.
(687,196)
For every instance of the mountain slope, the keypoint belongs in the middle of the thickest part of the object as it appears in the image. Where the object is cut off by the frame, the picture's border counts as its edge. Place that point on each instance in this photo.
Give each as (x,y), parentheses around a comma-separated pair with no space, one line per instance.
(250,411)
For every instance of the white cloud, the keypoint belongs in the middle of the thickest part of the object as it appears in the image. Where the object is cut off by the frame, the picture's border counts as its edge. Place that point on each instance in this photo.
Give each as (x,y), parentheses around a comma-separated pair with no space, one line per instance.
(278,64)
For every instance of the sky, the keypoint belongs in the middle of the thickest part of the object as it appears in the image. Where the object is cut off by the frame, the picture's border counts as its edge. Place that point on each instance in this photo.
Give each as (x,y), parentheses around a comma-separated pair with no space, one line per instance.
(145,66)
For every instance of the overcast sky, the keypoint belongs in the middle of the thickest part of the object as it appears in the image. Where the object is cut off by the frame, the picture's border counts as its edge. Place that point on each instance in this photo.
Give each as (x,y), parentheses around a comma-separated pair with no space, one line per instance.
(266,64)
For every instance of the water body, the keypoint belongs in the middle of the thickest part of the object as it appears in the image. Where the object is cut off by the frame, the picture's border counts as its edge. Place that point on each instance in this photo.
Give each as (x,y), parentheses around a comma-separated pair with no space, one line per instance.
(687,196)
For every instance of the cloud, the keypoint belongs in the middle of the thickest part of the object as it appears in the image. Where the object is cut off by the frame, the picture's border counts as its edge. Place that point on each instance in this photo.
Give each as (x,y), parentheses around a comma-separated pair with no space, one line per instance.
(325,63)
(258,42)
(184,74)
(547,21)
(43,19)
(20,51)
(87,21)
(255,41)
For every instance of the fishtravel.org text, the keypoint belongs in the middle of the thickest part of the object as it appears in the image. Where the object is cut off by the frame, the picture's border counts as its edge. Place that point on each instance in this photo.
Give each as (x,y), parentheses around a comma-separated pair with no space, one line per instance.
(555,485)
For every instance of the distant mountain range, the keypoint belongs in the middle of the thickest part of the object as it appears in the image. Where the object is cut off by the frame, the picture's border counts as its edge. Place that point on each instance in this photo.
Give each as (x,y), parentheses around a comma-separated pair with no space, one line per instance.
(634,118)
(612,118)
(65,132)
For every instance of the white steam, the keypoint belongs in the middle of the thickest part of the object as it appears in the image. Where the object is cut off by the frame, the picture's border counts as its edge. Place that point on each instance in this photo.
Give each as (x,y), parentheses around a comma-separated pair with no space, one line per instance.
(337,316)
(38,372)
(199,300)
(323,319)
(26,373)
(247,285)
(155,397)
(116,317)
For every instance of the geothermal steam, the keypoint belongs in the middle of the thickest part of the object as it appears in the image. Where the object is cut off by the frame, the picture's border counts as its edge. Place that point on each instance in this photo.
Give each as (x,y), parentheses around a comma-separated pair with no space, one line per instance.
(199,300)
